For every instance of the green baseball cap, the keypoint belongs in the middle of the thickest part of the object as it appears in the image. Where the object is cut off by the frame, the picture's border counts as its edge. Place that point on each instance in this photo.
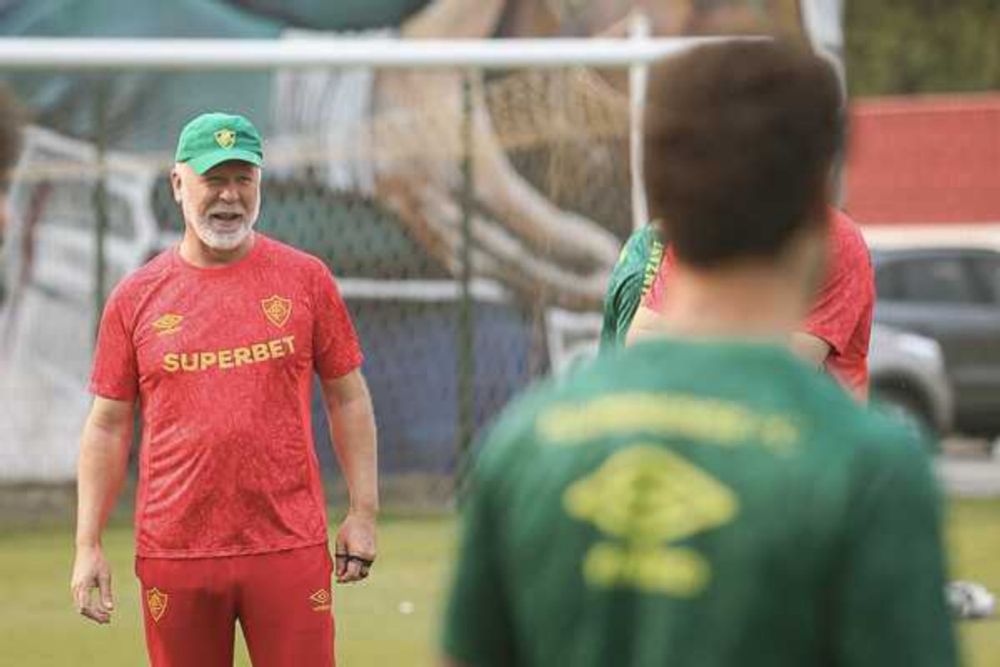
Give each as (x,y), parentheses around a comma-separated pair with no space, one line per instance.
(212,138)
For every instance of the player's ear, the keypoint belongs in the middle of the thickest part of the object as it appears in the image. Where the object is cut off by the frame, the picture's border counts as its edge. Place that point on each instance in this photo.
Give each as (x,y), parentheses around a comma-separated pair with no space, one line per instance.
(175,183)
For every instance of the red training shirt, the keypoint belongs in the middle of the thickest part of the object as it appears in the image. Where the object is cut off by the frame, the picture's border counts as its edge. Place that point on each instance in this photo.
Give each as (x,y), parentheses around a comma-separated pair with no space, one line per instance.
(842,313)
(221,360)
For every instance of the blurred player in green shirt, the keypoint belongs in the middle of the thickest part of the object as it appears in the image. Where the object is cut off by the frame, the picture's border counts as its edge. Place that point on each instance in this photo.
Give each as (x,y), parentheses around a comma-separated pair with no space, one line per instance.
(705,498)
(630,279)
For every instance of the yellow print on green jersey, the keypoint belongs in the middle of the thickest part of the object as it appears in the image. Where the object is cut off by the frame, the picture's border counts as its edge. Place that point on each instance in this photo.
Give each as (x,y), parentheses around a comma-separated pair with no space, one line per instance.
(652,265)
(641,499)
(673,415)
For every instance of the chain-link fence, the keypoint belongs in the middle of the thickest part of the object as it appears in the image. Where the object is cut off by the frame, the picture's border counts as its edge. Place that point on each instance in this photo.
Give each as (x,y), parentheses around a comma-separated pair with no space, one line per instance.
(470,217)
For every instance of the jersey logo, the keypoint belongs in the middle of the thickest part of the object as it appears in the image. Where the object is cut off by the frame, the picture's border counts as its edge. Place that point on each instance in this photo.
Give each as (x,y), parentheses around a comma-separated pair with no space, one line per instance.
(641,499)
(321,600)
(225,138)
(652,265)
(157,603)
(168,324)
(277,310)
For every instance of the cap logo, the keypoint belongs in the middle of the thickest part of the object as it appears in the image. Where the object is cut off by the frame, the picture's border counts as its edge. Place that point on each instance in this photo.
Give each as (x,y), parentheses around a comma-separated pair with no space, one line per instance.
(225,138)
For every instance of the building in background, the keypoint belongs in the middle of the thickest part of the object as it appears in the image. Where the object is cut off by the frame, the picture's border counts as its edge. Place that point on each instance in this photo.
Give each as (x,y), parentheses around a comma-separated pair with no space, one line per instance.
(923,170)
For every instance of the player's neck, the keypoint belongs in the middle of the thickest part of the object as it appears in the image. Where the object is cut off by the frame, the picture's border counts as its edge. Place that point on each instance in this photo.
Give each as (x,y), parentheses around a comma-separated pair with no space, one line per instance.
(750,301)
(197,253)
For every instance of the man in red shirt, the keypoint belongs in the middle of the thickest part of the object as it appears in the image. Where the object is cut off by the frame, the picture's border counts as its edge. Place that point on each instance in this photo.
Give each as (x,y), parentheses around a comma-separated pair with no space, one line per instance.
(218,339)
(836,333)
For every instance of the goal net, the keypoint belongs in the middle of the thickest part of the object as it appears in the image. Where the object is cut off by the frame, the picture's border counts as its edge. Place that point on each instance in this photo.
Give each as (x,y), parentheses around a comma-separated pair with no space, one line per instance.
(470,214)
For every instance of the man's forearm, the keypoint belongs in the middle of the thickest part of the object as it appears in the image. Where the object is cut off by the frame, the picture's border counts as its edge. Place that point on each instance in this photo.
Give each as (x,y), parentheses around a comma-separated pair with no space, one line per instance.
(352,425)
(101,473)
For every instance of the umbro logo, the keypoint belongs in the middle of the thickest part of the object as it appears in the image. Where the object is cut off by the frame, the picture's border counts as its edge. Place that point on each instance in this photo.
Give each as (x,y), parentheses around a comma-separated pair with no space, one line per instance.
(321,600)
(168,324)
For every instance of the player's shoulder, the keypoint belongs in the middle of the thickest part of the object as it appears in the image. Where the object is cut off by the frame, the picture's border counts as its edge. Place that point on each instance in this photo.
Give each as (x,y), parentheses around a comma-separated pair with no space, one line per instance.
(881,451)
(859,431)
(607,373)
(769,379)
(294,264)
(288,255)
(508,439)
(847,234)
(514,432)
(636,246)
(642,236)
(144,277)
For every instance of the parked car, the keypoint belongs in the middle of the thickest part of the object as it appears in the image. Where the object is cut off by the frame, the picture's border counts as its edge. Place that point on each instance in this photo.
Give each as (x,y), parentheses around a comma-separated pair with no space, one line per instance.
(908,375)
(951,295)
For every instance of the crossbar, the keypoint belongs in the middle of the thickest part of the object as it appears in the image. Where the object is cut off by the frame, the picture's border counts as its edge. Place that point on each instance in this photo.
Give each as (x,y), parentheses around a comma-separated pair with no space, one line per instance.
(35,53)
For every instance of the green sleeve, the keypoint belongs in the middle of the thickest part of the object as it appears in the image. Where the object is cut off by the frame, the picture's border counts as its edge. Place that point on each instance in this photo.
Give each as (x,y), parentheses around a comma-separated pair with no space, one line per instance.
(892,607)
(627,300)
(477,623)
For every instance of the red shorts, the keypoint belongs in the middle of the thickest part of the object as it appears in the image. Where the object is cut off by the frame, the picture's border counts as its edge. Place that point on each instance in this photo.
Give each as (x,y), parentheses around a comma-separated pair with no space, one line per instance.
(282,600)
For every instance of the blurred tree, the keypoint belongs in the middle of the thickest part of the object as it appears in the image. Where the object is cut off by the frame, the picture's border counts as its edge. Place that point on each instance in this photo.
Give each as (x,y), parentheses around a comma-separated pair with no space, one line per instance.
(922,46)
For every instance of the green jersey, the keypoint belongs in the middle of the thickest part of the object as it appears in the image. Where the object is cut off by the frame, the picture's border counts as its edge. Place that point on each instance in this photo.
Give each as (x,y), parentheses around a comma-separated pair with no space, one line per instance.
(630,280)
(695,503)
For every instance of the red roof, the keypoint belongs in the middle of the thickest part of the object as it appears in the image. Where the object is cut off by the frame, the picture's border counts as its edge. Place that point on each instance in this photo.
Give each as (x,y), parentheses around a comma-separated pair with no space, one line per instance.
(932,159)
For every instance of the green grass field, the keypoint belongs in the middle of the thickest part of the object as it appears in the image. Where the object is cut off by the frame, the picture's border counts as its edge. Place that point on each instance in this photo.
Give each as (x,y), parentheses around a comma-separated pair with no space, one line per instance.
(38,625)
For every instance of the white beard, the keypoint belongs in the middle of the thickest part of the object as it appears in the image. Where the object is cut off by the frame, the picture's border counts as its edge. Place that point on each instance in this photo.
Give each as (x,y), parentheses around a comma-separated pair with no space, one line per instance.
(217,240)
(224,240)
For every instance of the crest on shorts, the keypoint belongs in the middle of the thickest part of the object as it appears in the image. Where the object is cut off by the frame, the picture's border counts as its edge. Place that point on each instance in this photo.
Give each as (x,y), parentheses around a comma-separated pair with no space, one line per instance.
(225,138)
(277,310)
(321,600)
(157,603)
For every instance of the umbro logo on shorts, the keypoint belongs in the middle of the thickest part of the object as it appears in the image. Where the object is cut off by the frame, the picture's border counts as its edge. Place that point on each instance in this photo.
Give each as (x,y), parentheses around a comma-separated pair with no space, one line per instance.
(156,601)
(321,600)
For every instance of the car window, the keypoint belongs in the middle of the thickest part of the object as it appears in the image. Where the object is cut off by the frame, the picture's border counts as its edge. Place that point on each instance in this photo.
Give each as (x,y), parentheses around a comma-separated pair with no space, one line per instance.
(887,282)
(937,280)
(987,272)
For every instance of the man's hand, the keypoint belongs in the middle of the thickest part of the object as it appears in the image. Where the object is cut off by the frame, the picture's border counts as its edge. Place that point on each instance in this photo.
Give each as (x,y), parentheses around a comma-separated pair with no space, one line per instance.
(90,571)
(355,547)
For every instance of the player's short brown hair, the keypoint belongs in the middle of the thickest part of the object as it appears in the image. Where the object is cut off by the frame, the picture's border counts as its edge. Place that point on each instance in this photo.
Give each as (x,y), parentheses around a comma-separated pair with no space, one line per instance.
(12,118)
(738,142)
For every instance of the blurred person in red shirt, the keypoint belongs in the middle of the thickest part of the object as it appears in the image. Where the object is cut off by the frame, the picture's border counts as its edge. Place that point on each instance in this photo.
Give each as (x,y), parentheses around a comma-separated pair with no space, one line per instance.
(836,333)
